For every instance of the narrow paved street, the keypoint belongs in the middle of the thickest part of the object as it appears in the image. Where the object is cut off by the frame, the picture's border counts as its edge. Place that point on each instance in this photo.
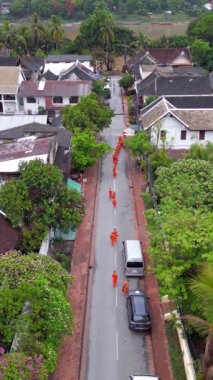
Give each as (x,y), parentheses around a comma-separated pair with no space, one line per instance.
(114,351)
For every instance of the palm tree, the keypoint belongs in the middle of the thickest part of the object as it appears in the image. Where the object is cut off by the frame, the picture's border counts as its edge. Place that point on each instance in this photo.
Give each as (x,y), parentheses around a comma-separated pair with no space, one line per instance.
(22,40)
(37,30)
(7,32)
(202,289)
(106,36)
(56,31)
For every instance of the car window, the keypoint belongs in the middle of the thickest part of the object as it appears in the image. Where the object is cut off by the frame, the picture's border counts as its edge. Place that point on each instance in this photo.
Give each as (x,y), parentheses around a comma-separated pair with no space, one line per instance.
(140,307)
(134,264)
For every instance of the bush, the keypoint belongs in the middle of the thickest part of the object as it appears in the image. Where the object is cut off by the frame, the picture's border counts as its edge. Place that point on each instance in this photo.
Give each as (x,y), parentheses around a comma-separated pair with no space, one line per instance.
(18,366)
(147,198)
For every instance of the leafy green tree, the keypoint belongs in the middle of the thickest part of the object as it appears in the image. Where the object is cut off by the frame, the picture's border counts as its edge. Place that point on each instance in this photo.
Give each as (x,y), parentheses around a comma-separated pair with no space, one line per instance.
(39,325)
(160,158)
(139,145)
(180,246)
(86,149)
(97,34)
(150,99)
(201,28)
(98,88)
(40,200)
(184,240)
(201,51)
(88,113)
(126,81)
(200,152)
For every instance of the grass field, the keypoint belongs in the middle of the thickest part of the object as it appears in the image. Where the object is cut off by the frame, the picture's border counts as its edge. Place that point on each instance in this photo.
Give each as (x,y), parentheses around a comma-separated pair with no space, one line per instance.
(153,29)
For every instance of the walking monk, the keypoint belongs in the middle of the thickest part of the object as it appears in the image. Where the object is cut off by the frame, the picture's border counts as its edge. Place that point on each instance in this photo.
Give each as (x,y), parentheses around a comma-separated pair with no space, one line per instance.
(115,232)
(110,192)
(125,287)
(112,238)
(114,202)
(114,279)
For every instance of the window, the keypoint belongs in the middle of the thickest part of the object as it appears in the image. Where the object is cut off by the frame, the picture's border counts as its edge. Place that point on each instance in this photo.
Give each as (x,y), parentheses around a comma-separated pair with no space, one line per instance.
(31,99)
(9,97)
(58,99)
(183,135)
(163,134)
(202,135)
(73,99)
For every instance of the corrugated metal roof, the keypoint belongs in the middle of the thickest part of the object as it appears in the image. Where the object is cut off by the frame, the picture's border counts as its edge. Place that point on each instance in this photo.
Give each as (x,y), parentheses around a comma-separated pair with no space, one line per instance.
(9,79)
(68,58)
(25,147)
(56,88)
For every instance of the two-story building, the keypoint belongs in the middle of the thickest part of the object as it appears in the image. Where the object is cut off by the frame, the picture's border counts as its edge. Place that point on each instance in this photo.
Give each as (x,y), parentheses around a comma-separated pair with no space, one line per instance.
(10,80)
(52,95)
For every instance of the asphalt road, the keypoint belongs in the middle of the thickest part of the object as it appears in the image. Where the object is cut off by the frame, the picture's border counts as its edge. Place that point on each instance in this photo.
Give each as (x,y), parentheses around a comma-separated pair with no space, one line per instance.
(114,351)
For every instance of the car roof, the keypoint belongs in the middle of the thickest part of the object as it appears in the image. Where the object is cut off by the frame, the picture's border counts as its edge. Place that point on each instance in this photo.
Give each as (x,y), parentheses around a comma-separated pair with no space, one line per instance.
(139,303)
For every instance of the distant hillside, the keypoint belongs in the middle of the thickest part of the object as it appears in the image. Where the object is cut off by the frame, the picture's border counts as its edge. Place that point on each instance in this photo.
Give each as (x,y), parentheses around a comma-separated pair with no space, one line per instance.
(121,9)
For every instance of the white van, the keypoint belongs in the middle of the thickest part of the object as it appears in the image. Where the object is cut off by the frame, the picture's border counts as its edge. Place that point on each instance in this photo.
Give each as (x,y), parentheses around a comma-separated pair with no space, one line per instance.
(133,256)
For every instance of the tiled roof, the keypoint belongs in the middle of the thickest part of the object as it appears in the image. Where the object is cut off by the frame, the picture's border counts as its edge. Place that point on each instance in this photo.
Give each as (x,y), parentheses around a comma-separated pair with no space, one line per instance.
(196,120)
(174,85)
(9,61)
(48,75)
(9,236)
(68,58)
(163,56)
(196,102)
(81,71)
(32,63)
(155,113)
(56,88)
(193,119)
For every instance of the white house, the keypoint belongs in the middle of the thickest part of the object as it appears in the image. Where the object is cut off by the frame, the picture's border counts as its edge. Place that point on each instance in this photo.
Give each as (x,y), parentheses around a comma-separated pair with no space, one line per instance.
(10,80)
(52,95)
(57,63)
(179,128)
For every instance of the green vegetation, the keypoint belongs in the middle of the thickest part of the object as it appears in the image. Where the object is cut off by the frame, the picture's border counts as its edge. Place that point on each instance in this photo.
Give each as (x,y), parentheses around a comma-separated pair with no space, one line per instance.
(126,81)
(86,120)
(88,114)
(81,9)
(139,145)
(86,149)
(40,200)
(38,313)
(184,241)
(176,355)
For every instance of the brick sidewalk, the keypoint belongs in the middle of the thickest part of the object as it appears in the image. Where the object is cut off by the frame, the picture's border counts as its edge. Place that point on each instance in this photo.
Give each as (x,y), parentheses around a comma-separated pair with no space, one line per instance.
(69,362)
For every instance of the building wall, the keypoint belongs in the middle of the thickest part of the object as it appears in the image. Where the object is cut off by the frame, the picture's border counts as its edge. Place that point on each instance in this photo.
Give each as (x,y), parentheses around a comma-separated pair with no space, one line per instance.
(173,130)
(33,107)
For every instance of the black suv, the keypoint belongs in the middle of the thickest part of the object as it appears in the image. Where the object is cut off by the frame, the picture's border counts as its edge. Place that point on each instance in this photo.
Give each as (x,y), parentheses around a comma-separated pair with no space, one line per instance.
(137,310)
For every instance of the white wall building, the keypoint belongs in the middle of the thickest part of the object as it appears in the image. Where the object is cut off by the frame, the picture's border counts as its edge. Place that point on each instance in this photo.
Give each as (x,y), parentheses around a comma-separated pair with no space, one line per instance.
(179,128)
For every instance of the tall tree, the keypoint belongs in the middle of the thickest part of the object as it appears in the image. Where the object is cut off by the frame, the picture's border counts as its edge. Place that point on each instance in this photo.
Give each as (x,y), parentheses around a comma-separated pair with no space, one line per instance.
(202,290)
(37,30)
(40,200)
(56,31)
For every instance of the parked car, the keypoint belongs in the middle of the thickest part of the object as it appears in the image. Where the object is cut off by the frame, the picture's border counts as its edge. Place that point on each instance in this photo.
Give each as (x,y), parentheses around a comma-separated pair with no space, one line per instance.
(138,311)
